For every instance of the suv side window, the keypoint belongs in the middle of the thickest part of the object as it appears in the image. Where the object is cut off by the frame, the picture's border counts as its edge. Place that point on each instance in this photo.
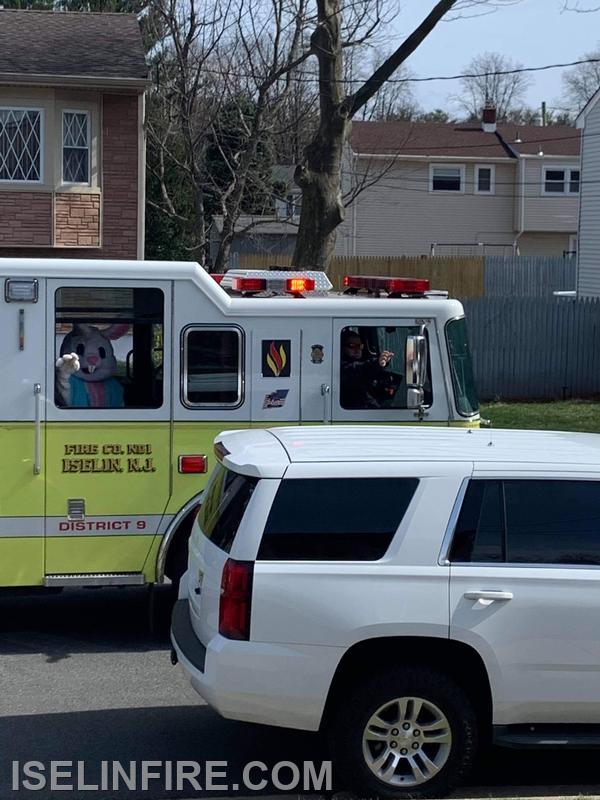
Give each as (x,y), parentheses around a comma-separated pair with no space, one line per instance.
(553,522)
(335,519)
(530,522)
(479,534)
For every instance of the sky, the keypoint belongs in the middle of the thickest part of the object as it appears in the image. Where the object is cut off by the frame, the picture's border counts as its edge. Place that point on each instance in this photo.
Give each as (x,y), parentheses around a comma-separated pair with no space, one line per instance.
(533,32)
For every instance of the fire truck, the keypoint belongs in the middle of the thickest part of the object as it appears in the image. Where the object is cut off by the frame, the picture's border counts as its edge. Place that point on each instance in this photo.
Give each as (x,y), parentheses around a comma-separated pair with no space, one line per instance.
(118,375)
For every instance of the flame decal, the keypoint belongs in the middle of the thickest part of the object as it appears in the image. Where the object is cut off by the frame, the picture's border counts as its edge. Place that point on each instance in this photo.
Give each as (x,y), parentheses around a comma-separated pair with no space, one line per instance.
(276,359)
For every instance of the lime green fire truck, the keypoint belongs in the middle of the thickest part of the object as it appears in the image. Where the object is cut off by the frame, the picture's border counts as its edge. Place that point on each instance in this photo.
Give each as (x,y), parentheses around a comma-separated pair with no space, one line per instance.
(117,376)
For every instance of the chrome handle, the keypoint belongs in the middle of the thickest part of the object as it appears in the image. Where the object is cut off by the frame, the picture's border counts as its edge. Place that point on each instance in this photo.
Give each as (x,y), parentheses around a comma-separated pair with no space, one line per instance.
(489,595)
(37,447)
(325,391)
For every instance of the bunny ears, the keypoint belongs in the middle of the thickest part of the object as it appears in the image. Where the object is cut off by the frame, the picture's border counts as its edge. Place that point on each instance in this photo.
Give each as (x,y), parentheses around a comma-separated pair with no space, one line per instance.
(112,332)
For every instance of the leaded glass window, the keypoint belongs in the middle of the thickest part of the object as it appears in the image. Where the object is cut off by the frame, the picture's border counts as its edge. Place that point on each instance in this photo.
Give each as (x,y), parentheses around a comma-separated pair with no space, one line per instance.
(20,144)
(76,147)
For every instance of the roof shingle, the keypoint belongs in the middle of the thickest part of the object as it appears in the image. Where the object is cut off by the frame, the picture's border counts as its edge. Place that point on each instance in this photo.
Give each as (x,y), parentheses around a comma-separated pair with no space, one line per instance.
(463,140)
(71,44)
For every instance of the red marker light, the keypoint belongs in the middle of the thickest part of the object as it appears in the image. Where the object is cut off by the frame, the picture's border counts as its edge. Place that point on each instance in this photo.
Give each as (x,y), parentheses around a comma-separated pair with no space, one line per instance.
(372,283)
(296,285)
(193,465)
(236,599)
(217,276)
(248,284)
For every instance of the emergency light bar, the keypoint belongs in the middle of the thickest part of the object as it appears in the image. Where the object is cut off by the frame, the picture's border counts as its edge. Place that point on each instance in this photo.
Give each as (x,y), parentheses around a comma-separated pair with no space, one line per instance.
(275,281)
(392,286)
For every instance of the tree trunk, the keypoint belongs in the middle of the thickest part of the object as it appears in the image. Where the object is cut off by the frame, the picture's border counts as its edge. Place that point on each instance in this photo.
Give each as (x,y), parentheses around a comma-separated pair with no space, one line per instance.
(322,208)
(319,173)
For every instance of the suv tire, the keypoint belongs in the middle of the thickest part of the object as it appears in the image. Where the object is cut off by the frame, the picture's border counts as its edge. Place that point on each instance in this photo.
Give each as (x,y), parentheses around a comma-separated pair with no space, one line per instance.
(383,734)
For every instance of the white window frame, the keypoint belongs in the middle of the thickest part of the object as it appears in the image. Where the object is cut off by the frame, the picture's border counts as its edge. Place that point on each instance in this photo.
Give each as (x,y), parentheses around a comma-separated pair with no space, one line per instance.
(568,171)
(40,181)
(89,146)
(492,169)
(461,167)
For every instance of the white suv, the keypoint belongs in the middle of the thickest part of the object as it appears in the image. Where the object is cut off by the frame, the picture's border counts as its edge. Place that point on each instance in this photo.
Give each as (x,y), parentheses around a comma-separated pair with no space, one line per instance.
(409,590)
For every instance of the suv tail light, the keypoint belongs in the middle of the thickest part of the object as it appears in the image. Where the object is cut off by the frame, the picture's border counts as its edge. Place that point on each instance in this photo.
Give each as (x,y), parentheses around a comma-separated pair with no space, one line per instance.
(236,599)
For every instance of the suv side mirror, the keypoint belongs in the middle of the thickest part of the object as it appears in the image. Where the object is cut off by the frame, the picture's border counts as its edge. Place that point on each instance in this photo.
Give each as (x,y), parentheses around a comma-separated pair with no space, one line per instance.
(415,357)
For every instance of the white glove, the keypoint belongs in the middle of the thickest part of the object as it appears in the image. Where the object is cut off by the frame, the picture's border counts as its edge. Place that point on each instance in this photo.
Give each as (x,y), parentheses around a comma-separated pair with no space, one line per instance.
(68,364)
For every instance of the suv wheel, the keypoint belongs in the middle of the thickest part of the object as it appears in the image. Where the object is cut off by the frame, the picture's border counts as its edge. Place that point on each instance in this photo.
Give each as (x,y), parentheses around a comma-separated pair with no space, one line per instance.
(405,733)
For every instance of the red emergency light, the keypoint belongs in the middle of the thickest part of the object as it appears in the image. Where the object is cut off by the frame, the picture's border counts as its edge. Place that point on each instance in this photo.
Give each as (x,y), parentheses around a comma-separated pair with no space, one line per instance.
(392,286)
(297,285)
(249,284)
(217,276)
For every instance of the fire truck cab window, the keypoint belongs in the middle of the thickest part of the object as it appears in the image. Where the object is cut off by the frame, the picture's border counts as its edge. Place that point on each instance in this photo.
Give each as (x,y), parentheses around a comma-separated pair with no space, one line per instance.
(372,367)
(212,367)
(109,347)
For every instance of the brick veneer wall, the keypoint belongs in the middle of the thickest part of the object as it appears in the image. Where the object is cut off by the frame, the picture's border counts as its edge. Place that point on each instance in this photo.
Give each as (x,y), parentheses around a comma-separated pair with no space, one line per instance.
(118,204)
(77,220)
(120,176)
(25,218)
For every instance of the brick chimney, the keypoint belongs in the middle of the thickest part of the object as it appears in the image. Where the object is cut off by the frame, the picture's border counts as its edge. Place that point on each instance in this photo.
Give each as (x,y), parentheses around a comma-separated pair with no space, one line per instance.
(489,119)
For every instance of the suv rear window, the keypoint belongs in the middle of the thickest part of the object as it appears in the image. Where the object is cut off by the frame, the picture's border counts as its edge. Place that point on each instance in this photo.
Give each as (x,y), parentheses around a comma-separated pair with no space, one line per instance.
(223,505)
(335,519)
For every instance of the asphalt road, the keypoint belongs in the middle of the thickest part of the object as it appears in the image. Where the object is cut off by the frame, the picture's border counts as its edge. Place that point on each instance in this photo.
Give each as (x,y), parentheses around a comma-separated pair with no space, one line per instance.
(83,679)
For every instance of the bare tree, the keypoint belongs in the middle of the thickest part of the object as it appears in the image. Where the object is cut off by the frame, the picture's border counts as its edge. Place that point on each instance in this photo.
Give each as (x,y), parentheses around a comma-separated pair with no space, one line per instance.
(319,172)
(487,84)
(182,106)
(271,39)
(395,100)
(582,81)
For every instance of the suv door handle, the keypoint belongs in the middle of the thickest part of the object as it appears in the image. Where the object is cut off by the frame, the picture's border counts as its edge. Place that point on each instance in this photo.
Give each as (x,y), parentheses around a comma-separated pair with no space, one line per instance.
(489,595)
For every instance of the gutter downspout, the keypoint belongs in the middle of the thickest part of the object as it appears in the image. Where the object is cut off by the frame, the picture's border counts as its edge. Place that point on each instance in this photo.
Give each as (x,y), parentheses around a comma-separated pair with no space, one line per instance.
(521,230)
(354,204)
(521,165)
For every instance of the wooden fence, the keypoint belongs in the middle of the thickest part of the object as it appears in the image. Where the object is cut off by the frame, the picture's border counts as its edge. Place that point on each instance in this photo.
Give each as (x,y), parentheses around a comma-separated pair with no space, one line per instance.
(460,276)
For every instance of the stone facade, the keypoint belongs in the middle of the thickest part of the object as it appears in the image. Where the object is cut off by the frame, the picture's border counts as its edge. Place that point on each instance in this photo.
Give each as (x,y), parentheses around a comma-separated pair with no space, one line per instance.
(77,220)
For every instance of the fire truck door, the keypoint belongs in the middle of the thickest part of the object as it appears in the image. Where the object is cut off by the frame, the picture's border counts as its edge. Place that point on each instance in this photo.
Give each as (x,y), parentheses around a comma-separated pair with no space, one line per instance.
(22,457)
(108,430)
(316,370)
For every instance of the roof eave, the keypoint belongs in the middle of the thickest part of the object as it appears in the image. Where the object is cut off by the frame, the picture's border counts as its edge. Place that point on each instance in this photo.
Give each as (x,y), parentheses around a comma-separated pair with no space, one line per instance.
(436,157)
(85,81)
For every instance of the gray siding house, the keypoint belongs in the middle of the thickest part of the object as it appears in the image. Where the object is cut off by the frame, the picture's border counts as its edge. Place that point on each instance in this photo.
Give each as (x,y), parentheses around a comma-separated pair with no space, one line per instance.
(588,265)
(466,188)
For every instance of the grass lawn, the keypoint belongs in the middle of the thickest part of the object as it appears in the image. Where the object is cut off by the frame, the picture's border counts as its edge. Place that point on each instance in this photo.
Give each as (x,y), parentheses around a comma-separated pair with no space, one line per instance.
(572,415)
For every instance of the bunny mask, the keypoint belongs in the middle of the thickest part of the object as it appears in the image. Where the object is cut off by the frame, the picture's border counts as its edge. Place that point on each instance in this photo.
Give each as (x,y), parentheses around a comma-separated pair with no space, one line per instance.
(87,355)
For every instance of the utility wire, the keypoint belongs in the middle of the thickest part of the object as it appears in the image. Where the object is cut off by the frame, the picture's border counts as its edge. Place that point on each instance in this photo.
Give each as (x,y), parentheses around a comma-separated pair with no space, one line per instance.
(310,77)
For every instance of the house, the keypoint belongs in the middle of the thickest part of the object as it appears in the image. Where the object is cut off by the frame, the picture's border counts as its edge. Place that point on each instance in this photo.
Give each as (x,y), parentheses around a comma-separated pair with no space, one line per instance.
(72,157)
(274,233)
(588,262)
(488,188)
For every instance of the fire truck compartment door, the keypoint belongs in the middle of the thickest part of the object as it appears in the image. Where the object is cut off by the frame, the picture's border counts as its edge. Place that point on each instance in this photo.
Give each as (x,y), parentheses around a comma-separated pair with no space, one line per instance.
(22,411)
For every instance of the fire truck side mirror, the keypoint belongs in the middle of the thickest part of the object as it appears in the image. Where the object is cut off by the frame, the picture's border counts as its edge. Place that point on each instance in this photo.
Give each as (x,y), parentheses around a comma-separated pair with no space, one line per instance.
(415,370)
